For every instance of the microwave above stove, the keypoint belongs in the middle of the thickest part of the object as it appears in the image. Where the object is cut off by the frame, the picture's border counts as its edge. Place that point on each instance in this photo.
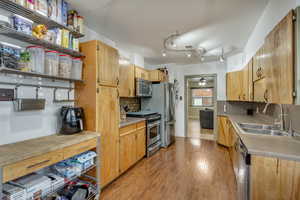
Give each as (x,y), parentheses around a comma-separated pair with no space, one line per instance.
(143,88)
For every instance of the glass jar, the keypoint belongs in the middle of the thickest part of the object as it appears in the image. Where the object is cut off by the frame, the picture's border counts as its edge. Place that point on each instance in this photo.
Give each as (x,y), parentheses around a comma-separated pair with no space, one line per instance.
(37,61)
(76,72)
(65,64)
(51,63)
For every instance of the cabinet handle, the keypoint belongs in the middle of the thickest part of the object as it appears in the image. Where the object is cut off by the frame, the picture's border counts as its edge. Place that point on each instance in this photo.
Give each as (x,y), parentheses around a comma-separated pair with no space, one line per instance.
(266,95)
(277,166)
(118,81)
(38,164)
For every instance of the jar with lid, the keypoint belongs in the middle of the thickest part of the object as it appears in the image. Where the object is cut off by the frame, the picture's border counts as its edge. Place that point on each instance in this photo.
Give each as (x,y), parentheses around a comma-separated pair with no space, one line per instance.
(37,61)
(76,72)
(65,64)
(51,63)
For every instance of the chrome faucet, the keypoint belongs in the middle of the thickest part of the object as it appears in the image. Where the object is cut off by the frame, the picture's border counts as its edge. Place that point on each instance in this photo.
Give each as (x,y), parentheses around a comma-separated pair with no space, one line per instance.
(281,117)
(266,107)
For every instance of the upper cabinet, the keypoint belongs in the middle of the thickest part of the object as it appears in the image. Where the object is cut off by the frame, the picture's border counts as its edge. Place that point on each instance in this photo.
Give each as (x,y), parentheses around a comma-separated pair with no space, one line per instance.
(276,66)
(157,76)
(127,81)
(239,84)
(271,72)
(141,73)
(108,66)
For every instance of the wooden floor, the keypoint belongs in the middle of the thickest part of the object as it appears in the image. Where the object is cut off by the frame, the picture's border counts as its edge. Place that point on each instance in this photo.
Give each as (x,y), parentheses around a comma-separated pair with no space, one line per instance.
(191,169)
(195,131)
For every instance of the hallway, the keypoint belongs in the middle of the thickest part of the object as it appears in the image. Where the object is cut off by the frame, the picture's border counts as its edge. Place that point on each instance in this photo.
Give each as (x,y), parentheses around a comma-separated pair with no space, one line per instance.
(192,169)
(195,131)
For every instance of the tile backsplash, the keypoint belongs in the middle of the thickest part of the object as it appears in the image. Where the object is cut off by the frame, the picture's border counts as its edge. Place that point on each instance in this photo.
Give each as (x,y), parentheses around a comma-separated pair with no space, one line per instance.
(133,104)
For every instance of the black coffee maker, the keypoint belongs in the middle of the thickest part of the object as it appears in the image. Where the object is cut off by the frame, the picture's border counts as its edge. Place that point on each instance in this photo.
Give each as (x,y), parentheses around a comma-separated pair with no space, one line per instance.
(72,120)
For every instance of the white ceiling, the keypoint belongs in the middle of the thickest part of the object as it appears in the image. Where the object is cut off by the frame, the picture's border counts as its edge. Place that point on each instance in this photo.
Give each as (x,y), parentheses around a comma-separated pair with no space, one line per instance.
(141,25)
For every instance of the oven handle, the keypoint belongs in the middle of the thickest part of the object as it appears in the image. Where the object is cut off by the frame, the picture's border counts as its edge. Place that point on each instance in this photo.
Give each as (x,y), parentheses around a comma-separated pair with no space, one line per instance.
(153,125)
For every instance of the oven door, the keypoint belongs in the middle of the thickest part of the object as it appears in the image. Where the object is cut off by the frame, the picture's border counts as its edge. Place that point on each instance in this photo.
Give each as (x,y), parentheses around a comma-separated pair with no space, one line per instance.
(153,133)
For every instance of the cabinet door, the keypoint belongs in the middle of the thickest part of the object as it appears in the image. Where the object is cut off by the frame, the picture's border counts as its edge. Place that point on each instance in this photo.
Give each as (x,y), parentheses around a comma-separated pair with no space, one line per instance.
(155,76)
(127,151)
(108,116)
(108,72)
(141,143)
(259,64)
(127,81)
(245,84)
(234,86)
(223,130)
(260,91)
(141,73)
(265,178)
(283,60)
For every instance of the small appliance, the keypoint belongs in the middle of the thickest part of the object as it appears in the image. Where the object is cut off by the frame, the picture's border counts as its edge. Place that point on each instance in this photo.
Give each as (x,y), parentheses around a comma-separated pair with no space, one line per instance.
(143,88)
(72,120)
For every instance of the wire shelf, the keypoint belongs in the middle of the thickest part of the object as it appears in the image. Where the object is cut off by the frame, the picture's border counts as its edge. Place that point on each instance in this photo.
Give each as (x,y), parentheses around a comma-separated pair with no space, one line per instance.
(34,16)
(12,33)
(93,193)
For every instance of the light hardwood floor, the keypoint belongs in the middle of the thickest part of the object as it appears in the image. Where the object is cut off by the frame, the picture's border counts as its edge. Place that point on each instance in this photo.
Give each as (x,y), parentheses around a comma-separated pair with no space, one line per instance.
(195,131)
(191,169)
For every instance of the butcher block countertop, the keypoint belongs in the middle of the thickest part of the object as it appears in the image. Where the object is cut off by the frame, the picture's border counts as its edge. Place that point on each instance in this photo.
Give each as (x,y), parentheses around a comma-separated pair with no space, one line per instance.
(12,153)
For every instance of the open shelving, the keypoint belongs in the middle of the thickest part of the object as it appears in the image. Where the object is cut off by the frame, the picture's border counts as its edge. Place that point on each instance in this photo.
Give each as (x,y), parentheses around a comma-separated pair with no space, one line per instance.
(34,16)
(12,33)
(6,70)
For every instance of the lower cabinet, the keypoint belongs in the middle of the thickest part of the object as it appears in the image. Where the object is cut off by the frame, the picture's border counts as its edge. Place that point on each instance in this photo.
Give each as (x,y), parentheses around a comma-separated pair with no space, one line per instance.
(128,151)
(274,179)
(226,136)
(132,145)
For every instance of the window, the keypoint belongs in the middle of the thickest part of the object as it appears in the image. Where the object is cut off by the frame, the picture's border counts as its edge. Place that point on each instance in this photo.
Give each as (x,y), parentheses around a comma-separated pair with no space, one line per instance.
(202,96)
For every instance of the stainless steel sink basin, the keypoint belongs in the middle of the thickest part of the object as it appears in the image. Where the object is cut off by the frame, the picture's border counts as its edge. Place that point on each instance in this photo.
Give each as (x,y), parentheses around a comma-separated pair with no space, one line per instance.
(262,129)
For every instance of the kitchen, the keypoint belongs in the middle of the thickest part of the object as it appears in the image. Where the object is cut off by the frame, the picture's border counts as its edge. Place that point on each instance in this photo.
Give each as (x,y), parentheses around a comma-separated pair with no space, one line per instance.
(94,101)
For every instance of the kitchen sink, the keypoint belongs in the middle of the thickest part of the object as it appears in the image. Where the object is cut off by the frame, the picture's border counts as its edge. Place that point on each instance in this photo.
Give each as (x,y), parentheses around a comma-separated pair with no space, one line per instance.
(262,129)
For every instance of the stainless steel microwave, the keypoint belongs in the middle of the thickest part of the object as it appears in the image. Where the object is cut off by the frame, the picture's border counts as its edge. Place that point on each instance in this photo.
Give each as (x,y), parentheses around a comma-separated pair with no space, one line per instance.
(143,88)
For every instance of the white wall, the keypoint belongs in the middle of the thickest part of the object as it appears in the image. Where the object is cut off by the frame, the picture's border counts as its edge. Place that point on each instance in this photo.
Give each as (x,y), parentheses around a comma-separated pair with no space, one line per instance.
(273,13)
(180,71)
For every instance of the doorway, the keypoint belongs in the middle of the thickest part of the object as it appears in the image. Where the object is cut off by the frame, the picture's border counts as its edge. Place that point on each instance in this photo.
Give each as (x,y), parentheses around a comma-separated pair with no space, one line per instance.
(200,106)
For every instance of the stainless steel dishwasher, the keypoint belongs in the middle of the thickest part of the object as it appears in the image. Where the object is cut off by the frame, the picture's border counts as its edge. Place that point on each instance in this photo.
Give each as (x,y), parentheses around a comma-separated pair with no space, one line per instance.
(243,175)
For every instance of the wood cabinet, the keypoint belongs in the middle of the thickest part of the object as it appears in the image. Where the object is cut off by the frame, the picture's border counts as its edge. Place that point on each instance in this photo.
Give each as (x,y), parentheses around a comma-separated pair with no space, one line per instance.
(276,65)
(239,84)
(108,66)
(274,179)
(127,80)
(157,76)
(127,150)
(141,143)
(108,125)
(259,68)
(132,145)
(233,86)
(99,98)
(223,131)
(141,73)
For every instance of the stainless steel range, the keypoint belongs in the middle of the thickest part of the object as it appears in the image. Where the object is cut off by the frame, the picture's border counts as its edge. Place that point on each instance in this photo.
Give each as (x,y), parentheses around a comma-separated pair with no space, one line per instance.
(153,130)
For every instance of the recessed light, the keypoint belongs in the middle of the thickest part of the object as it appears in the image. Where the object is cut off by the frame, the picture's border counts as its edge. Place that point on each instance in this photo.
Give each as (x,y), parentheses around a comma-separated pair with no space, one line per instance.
(164,54)
(202,58)
(189,55)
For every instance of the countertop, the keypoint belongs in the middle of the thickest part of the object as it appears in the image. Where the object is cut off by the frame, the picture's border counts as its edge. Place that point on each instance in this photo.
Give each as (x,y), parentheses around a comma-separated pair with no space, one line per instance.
(131,120)
(11,153)
(284,147)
